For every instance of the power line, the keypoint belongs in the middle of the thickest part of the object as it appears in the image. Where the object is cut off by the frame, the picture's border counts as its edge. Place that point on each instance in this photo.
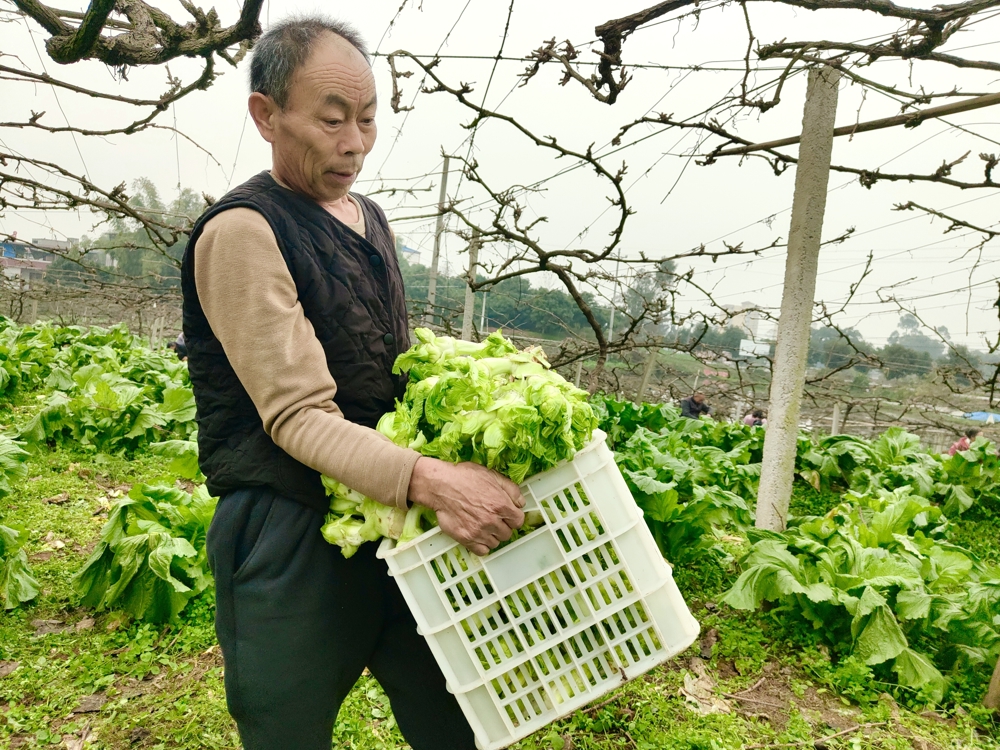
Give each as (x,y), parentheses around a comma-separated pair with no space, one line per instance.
(579,164)
(239,145)
(55,93)
(406,117)
(734,266)
(855,265)
(475,128)
(584,63)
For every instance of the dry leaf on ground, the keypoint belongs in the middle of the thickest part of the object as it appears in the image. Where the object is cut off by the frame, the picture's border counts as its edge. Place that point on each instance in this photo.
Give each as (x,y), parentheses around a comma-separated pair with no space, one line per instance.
(91,704)
(45,627)
(699,691)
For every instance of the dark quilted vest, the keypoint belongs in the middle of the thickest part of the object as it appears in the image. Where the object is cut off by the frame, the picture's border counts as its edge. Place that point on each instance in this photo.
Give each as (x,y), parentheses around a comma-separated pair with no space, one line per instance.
(351,291)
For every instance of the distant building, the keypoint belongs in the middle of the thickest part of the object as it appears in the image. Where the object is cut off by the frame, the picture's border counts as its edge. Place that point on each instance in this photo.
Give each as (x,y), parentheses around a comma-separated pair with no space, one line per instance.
(402,251)
(60,246)
(28,262)
(751,350)
(753,321)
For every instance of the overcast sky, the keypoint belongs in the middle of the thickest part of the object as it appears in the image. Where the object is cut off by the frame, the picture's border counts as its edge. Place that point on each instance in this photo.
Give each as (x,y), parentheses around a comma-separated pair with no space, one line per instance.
(678,204)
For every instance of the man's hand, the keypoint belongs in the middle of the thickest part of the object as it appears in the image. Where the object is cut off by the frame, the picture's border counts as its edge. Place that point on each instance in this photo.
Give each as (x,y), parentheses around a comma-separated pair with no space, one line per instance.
(475,506)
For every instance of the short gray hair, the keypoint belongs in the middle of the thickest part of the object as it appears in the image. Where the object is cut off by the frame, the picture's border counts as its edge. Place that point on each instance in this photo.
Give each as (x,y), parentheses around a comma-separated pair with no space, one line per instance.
(285,47)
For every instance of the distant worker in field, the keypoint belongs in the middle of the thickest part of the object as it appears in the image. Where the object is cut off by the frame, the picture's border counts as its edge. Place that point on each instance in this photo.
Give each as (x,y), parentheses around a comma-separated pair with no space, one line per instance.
(755,418)
(963,443)
(694,406)
(180,347)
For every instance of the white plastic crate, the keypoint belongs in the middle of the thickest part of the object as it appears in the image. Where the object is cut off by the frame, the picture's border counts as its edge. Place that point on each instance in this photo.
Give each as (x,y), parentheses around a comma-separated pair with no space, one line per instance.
(558,618)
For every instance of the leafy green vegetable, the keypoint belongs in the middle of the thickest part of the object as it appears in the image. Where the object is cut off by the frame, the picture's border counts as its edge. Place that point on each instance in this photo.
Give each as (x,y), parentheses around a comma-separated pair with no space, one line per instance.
(109,413)
(879,578)
(183,455)
(47,355)
(896,459)
(690,477)
(17,584)
(696,478)
(355,519)
(151,558)
(108,391)
(488,403)
(12,466)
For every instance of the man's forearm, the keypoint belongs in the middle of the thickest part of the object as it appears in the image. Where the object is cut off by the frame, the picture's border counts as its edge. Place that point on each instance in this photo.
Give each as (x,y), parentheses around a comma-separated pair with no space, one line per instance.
(360,457)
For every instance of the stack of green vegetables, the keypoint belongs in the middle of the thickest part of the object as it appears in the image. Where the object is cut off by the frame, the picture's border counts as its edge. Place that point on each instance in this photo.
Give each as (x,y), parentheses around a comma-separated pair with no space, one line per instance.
(488,403)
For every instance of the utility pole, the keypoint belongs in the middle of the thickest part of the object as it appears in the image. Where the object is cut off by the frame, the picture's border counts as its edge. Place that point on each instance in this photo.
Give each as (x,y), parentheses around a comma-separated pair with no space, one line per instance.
(469,311)
(438,233)
(837,421)
(647,373)
(614,295)
(788,376)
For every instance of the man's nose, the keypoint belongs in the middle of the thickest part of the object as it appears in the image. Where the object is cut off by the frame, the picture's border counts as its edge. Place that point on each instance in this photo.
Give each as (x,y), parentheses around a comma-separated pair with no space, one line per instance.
(351,141)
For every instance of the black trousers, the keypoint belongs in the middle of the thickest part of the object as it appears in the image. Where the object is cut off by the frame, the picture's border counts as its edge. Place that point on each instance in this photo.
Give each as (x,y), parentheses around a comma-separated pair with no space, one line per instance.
(298,624)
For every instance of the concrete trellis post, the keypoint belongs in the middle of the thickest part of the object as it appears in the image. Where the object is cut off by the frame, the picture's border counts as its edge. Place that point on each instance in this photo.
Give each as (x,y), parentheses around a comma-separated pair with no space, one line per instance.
(436,255)
(469,311)
(790,357)
(647,373)
(837,421)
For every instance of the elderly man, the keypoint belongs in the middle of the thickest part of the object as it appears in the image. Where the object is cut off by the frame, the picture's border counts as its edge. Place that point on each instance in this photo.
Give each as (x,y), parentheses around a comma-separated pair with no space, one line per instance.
(293,315)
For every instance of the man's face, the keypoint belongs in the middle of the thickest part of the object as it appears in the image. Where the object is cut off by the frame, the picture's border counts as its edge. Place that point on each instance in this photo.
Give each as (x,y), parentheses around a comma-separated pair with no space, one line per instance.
(698,398)
(320,139)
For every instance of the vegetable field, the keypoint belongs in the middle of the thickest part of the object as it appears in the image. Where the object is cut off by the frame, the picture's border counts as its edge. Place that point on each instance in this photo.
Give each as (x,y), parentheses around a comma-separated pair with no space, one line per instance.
(872,622)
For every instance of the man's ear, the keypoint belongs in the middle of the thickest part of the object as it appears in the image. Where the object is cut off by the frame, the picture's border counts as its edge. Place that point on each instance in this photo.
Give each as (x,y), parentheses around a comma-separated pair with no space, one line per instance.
(262,110)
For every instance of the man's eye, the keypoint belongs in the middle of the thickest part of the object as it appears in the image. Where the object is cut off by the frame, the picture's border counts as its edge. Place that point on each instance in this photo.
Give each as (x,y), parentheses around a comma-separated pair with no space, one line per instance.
(368,120)
(333,122)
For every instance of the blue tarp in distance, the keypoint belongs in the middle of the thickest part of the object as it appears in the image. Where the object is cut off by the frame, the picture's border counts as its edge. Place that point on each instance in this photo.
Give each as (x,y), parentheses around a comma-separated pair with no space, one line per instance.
(983,416)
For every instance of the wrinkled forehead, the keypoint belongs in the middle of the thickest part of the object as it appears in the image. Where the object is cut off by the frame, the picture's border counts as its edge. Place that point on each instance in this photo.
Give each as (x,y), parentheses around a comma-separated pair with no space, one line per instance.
(335,73)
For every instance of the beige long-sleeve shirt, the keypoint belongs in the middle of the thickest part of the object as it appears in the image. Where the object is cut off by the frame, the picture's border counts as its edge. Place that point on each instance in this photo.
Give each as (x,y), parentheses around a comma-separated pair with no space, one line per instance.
(251,303)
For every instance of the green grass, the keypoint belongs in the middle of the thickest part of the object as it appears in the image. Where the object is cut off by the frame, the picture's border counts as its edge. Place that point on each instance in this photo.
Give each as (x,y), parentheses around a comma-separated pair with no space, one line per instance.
(161,686)
(807,501)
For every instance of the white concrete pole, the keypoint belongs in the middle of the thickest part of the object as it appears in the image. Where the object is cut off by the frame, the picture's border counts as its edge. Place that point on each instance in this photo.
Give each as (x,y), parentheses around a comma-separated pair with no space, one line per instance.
(438,232)
(647,373)
(789,371)
(469,312)
(837,421)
